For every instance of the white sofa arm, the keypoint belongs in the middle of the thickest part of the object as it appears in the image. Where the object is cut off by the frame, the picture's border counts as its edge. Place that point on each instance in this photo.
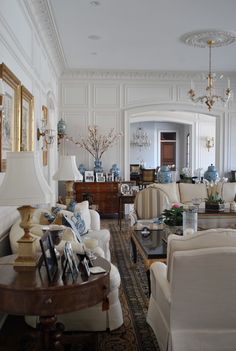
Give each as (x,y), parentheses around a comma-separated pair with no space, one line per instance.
(95,220)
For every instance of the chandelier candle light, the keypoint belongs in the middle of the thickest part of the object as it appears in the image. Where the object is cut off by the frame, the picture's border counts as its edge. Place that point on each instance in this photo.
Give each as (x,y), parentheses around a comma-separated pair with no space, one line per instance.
(210,39)
(140,139)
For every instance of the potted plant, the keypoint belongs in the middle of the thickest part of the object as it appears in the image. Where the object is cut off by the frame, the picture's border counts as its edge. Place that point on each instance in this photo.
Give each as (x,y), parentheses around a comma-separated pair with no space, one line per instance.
(214,201)
(173,218)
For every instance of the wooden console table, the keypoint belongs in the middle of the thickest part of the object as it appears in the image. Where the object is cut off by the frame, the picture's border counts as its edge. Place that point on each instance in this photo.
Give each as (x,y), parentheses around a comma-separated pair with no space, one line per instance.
(28,292)
(102,194)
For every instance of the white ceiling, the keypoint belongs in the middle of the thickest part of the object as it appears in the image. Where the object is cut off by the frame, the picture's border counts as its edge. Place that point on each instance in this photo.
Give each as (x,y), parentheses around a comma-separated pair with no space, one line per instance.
(142,34)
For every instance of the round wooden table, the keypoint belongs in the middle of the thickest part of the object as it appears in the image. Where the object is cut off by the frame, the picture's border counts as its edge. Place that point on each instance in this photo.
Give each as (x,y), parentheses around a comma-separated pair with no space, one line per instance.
(28,292)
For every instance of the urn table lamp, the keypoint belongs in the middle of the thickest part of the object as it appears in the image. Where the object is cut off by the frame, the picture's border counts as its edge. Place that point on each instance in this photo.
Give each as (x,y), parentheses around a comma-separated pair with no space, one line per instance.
(24,185)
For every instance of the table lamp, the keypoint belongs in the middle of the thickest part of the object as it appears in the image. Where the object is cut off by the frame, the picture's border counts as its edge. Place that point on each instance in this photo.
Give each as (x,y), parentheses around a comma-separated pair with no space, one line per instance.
(69,173)
(24,185)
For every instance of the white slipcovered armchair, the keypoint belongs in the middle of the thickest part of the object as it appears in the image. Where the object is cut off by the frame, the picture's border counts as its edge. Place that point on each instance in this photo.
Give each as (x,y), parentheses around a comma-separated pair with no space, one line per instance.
(192,304)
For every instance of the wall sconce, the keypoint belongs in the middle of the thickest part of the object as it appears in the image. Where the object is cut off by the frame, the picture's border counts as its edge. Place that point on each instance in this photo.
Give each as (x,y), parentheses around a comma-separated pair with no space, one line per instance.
(210,142)
(47,133)
(2,93)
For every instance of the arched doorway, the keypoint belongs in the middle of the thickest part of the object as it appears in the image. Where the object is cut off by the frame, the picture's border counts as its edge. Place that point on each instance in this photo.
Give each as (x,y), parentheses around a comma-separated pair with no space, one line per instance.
(182,115)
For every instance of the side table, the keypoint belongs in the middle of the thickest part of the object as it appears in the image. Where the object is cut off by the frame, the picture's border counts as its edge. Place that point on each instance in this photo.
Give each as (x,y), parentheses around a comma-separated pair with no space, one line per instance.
(28,292)
(123,199)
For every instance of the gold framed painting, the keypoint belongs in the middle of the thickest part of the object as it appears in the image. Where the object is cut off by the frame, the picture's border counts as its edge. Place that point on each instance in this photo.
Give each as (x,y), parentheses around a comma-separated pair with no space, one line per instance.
(27,120)
(10,115)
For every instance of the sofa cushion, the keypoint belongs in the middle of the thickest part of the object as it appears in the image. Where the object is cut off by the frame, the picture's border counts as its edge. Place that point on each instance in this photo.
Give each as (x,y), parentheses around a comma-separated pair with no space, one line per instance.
(189,191)
(229,192)
(170,189)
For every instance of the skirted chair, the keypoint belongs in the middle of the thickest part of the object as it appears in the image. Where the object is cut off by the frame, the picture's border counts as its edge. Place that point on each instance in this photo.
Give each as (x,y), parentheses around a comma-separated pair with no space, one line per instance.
(149,204)
(192,303)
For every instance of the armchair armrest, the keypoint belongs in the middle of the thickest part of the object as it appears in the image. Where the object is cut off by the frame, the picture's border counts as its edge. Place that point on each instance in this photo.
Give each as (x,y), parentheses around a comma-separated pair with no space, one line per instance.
(95,220)
(133,218)
(160,287)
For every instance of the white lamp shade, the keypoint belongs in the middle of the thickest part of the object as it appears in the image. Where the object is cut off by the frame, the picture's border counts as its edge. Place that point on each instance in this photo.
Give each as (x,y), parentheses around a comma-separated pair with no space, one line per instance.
(68,170)
(24,182)
(2,92)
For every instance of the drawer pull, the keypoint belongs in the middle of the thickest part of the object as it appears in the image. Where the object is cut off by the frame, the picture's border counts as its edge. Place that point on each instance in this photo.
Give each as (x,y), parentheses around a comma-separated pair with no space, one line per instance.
(48,301)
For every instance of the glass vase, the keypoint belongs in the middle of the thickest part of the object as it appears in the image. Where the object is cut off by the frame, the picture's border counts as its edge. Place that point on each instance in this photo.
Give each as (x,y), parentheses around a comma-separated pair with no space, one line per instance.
(190,221)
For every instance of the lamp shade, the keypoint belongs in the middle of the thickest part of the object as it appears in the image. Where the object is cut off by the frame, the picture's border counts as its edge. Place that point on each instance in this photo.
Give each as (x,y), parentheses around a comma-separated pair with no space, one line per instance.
(68,170)
(24,182)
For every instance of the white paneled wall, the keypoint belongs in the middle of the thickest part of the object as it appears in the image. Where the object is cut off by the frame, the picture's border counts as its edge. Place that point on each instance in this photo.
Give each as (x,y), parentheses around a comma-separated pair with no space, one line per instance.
(118,100)
(23,51)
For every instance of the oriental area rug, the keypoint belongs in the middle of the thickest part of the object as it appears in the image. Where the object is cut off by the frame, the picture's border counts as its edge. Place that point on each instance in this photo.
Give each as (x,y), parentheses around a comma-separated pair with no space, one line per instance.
(134,335)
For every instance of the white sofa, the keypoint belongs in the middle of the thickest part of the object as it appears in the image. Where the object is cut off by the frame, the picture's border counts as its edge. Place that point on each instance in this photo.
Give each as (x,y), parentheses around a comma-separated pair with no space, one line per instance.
(155,198)
(88,319)
(92,227)
(184,192)
(192,303)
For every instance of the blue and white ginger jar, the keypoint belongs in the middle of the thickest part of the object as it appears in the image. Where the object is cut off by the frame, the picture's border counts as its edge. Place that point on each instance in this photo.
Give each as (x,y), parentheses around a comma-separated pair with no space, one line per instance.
(211,174)
(164,175)
(115,170)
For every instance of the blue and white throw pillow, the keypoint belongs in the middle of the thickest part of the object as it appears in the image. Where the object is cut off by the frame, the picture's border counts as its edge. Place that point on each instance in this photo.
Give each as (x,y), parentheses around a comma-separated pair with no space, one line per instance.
(70,223)
(79,223)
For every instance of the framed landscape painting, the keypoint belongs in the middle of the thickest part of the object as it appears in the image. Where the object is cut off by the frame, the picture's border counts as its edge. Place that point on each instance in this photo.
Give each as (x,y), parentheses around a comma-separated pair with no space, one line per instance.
(10,133)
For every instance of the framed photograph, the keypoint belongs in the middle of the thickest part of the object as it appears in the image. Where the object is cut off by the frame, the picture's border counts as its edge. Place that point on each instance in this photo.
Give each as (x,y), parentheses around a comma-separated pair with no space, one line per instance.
(110,177)
(71,262)
(86,267)
(49,255)
(27,120)
(10,122)
(88,176)
(100,177)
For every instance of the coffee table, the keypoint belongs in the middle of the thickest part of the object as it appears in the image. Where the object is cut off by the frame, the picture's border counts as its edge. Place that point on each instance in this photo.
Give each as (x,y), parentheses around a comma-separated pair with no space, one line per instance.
(221,219)
(151,247)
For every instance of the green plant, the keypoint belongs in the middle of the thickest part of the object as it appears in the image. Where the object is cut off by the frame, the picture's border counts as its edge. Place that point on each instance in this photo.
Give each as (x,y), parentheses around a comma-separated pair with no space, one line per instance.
(215,198)
(174,216)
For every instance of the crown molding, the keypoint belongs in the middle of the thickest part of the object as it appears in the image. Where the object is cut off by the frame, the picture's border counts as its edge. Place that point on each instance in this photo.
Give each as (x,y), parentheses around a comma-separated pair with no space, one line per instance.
(41,15)
(134,75)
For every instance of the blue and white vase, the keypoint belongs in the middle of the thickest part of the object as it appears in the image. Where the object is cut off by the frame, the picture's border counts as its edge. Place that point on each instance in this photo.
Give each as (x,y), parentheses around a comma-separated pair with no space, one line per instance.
(115,170)
(211,174)
(98,166)
(164,175)
(82,169)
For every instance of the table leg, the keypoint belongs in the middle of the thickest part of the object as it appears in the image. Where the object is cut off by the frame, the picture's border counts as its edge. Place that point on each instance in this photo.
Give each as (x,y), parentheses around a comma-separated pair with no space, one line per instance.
(50,334)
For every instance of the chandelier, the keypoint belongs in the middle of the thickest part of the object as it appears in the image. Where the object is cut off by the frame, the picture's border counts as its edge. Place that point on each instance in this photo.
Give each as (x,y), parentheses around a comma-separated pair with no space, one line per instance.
(210,39)
(140,139)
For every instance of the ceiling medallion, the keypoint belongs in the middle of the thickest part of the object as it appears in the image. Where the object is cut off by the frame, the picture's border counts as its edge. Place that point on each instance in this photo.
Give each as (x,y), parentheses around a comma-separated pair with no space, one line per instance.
(210,39)
(201,38)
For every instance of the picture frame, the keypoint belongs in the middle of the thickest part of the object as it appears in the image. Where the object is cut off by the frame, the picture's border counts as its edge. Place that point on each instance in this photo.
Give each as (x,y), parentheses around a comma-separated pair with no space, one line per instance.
(27,120)
(10,121)
(100,177)
(88,176)
(70,261)
(49,255)
(110,177)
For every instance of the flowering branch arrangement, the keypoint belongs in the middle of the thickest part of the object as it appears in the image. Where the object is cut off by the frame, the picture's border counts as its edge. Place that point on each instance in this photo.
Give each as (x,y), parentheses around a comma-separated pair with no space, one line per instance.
(96,144)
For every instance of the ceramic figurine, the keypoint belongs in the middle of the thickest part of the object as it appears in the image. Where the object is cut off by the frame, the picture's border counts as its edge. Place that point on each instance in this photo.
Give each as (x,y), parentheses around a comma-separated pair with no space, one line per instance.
(211,174)
(115,170)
